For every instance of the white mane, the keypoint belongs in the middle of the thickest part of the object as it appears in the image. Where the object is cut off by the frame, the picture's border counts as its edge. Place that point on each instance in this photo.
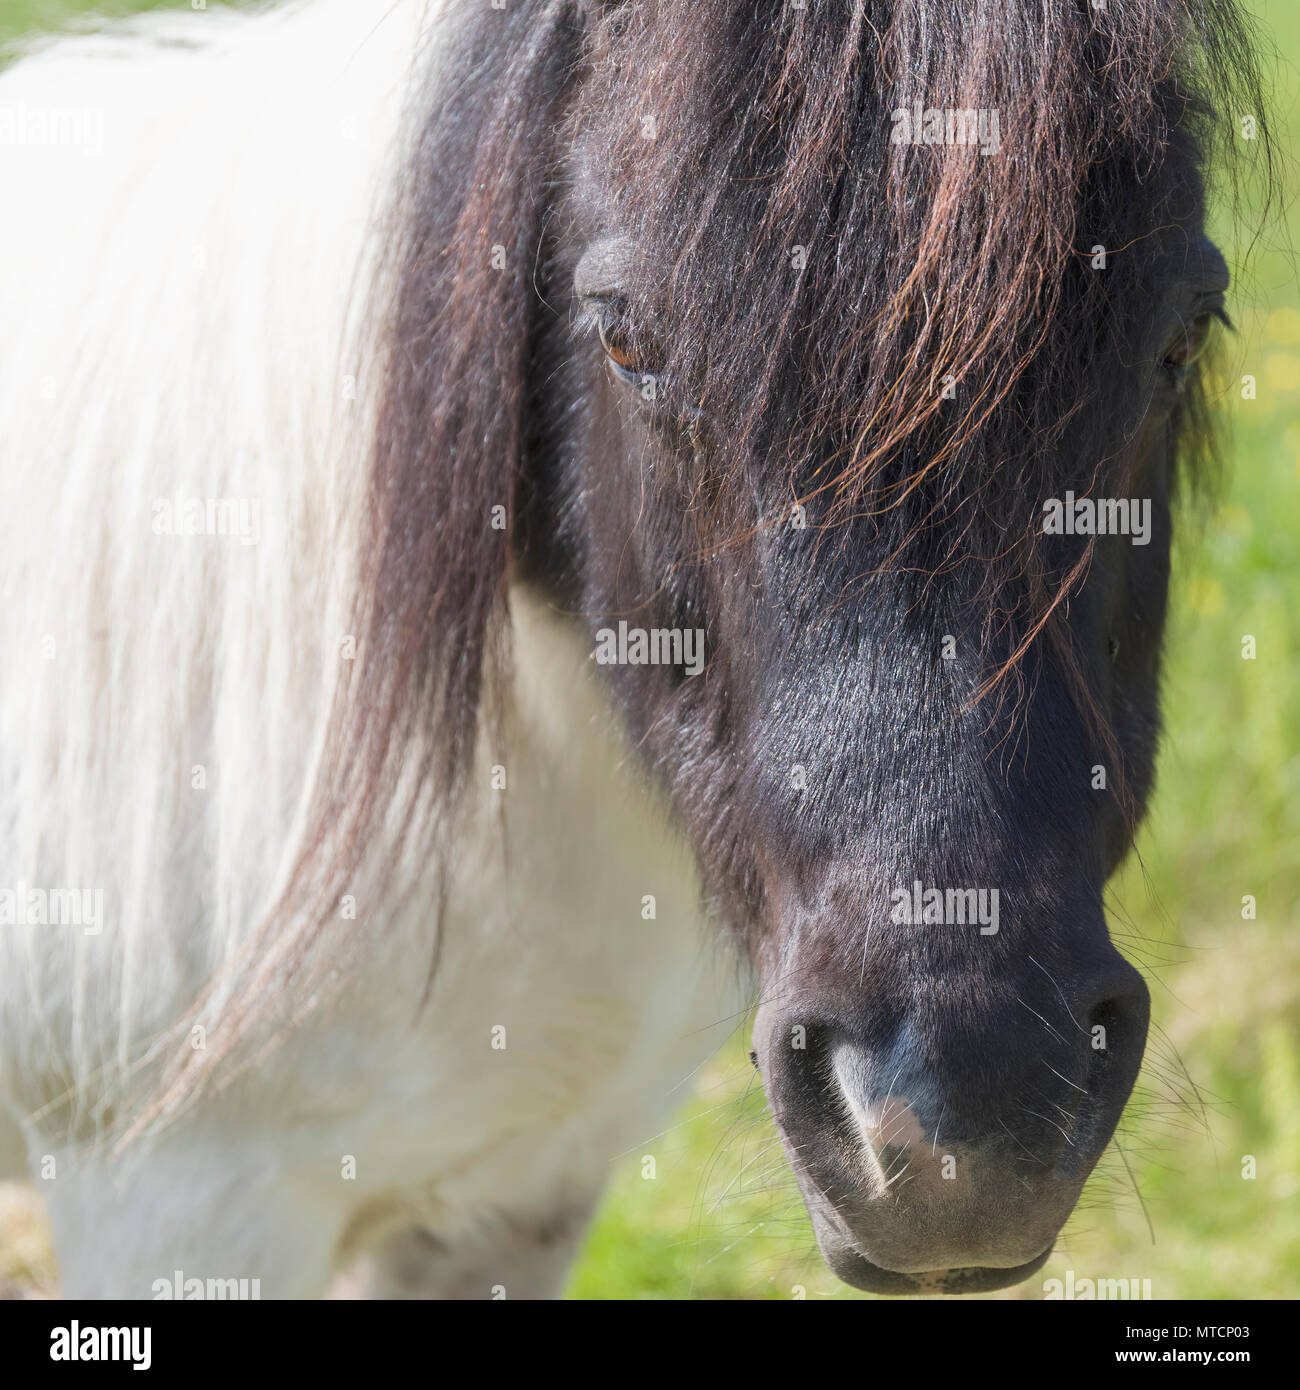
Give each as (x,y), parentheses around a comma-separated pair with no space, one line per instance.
(189,287)
(181,302)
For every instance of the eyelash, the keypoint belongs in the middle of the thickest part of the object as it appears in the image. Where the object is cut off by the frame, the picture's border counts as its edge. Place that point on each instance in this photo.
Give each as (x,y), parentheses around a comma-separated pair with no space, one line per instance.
(1179,371)
(601,317)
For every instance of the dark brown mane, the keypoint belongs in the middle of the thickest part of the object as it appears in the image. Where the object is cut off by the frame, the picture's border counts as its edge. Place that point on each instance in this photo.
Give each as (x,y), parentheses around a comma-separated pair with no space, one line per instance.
(921,262)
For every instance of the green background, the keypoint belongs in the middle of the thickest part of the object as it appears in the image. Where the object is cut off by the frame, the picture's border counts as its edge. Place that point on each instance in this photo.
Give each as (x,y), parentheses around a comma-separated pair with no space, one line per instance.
(721,1217)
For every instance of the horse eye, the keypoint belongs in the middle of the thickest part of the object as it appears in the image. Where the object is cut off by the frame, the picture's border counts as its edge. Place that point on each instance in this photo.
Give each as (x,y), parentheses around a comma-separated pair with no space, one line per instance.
(614,339)
(1190,343)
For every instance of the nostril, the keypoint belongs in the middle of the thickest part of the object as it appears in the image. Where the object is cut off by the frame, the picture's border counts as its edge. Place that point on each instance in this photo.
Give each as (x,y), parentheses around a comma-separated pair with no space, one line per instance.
(1105,1032)
(821,1083)
(1116,1037)
(792,1059)
(1117,1028)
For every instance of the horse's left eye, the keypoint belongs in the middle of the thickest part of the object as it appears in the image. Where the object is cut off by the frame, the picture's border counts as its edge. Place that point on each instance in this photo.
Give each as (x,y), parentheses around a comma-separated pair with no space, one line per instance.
(618,348)
(1190,342)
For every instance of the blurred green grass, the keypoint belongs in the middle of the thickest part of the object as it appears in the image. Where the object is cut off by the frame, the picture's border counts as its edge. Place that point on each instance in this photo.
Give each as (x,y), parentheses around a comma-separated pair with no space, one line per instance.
(721,1217)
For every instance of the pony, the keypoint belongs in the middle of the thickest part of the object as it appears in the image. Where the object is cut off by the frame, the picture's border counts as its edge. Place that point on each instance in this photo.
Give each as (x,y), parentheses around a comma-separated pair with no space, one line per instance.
(531,527)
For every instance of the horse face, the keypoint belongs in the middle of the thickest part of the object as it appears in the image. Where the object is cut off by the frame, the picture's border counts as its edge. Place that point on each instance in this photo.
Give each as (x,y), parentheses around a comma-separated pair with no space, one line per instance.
(908,764)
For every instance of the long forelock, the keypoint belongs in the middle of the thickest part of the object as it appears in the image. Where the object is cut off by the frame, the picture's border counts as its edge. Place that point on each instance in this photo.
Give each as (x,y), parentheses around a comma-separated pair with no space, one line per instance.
(815,285)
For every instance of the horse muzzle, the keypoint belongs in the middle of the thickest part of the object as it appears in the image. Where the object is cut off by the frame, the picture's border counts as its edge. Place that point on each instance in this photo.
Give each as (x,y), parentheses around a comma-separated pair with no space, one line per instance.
(942,1154)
